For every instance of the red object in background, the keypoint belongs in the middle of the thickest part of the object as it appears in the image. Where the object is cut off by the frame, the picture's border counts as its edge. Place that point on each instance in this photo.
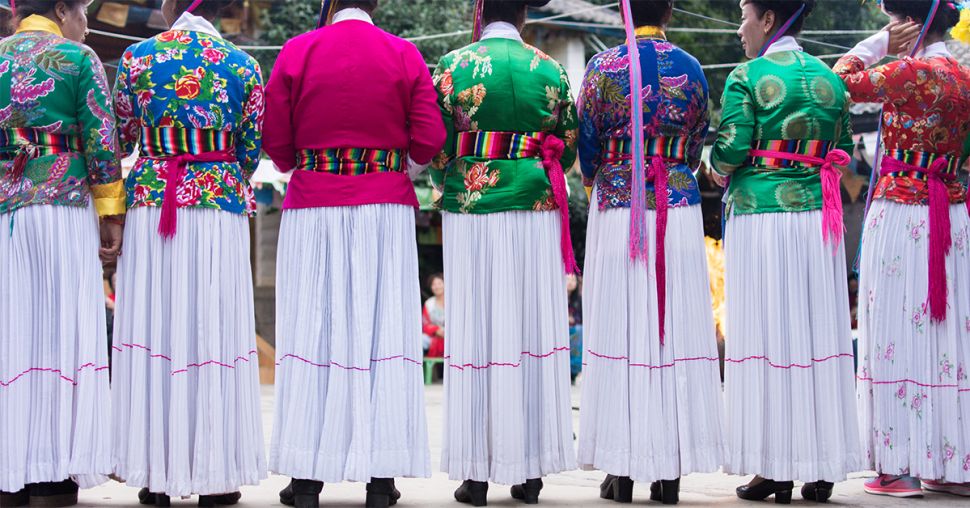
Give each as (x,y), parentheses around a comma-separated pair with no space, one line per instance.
(437,347)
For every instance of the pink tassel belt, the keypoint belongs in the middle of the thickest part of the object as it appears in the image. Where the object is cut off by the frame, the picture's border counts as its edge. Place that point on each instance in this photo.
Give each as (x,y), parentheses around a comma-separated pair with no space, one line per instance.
(940,239)
(514,145)
(833,226)
(24,144)
(176,168)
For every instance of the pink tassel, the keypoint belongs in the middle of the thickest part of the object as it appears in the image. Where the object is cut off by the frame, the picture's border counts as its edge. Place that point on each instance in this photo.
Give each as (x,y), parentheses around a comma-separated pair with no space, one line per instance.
(552,150)
(176,167)
(658,174)
(940,240)
(833,226)
(477,22)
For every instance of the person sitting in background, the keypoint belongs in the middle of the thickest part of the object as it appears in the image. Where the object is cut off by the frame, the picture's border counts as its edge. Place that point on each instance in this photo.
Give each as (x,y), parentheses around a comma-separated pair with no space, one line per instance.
(433,318)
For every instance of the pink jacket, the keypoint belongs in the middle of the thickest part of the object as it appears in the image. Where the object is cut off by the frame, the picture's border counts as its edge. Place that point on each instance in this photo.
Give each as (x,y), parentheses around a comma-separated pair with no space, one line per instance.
(350,85)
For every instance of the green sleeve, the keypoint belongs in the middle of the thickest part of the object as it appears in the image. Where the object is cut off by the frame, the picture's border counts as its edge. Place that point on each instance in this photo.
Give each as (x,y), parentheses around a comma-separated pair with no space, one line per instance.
(736,132)
(567,127)
(442,80)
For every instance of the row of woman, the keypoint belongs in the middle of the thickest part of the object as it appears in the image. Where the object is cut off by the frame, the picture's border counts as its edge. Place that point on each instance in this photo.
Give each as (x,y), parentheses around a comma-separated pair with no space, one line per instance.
(184,411)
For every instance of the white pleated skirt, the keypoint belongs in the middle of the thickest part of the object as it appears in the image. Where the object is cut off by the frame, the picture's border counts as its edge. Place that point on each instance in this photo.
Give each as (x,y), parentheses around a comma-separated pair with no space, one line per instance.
(648,411)
(789,383)
(914,395)
(349,381)
(185,371)
(507,385)
(54,401)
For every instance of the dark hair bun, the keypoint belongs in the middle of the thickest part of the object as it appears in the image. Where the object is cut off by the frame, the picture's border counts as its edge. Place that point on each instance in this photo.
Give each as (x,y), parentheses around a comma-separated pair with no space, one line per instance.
(536,3)
(946,17)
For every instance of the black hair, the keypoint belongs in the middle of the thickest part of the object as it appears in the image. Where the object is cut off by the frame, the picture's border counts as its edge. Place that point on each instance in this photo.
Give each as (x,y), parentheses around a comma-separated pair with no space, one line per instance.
(946,17)
(650,12)
(30,7)
(433,276)
(507,10)
(207,9)
(784,9)
(367,5)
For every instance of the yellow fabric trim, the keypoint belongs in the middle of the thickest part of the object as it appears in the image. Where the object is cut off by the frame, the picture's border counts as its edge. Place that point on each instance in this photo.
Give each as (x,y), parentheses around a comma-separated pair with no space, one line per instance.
(37,23)
(109,199)
(654,32)
(589,192)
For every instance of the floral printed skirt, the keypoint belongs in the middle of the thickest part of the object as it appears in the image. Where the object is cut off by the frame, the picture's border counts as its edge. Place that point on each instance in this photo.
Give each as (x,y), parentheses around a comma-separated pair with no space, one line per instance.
(185,378)
(54,404)
(507,390)
(649,411)
(788,382)
(914,394)
(349,378)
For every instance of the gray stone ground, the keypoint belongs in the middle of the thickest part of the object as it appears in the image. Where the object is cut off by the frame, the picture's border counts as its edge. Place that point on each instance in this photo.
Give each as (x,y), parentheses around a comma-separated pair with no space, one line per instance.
(575,488)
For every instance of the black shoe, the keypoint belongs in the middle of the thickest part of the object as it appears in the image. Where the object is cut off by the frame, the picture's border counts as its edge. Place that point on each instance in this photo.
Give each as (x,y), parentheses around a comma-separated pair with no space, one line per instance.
(53,494)
(528,492)
(151,498)
(607,488)
(381,492)
(11,499)
(395,494)
(220,499)
(286,495)
(759,489)
(819,491)
(306,493)
(472,492)
(623,490)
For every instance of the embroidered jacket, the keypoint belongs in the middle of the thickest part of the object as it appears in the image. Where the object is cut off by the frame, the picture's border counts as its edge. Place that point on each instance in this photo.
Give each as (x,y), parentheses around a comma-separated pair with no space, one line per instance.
(926,114)
(188,90)
(500,85)
(786,101)
(56,105)
(675,121)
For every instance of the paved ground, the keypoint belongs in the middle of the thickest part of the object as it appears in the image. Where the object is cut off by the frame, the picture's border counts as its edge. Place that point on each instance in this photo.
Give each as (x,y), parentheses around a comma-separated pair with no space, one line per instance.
(576,488)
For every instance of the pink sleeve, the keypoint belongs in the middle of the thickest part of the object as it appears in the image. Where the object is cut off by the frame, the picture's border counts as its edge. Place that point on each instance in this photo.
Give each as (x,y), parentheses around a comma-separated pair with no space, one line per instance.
(278,140)
(427,130)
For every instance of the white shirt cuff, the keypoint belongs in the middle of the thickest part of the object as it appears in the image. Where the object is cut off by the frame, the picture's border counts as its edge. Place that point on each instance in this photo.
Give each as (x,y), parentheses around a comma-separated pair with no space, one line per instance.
(873,49)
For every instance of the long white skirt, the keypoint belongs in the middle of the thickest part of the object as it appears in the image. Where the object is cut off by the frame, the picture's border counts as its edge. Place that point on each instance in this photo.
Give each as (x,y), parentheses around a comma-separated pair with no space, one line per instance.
(54,401)
(914,394)
(789,383)
(648,411)
(507,397)
(349,382)
(185,374)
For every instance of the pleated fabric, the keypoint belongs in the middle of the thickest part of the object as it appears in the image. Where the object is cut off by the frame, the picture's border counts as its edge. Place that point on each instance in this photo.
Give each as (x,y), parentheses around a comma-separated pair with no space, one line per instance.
(185,371)
(649,411)
(789,383)
(349,379)
(913,391)
(54,401)
(507,382)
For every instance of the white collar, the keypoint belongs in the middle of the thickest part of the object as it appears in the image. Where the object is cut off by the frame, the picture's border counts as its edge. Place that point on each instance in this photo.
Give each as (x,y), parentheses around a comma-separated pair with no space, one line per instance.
(191,23)
(786,43)
(934,50)
(501,30)
(352,13)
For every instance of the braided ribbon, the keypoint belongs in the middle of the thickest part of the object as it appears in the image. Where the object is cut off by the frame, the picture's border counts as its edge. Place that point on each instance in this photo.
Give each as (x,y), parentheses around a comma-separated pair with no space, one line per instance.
(551,151)
(176,167)
(326,12)
(940,240)
(477,23)
(657,174)
(781,31)
(832,218)
(194,4)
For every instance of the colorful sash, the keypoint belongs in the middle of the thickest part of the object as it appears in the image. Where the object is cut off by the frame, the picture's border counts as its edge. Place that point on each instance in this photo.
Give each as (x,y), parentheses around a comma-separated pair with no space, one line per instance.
(809,152)
(940,241)
(515,145)
(351,161)
(176,148)
(24,144)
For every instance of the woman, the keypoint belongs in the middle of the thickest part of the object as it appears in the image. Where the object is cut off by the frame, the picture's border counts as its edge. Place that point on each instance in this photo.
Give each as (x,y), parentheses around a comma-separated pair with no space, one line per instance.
(788,375)
(433,317)
(186,383)
(58,176)
(651,406)
(914,316)
(511,128)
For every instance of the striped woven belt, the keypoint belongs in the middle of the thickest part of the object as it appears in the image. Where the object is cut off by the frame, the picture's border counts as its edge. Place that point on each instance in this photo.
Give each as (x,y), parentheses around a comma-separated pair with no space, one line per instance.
(351,161)
(497,145)
(808,147)
(671,149)
(157,142)
(919,163)
(14,140)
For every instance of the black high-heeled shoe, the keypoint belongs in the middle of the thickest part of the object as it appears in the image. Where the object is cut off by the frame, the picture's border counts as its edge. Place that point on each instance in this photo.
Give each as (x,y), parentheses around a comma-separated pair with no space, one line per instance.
(623,490)
(152,498)
(761,490)
(528,492)
(306,493)
(13,499)
(380,493)
(53,494)
(473,493)
(227,499)
(665,491)
(608,487)
(819,491)
(286,495)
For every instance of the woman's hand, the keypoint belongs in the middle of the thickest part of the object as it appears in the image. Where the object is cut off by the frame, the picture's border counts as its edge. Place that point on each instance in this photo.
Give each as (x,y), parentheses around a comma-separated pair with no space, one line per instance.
(112,233)
(902,37)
